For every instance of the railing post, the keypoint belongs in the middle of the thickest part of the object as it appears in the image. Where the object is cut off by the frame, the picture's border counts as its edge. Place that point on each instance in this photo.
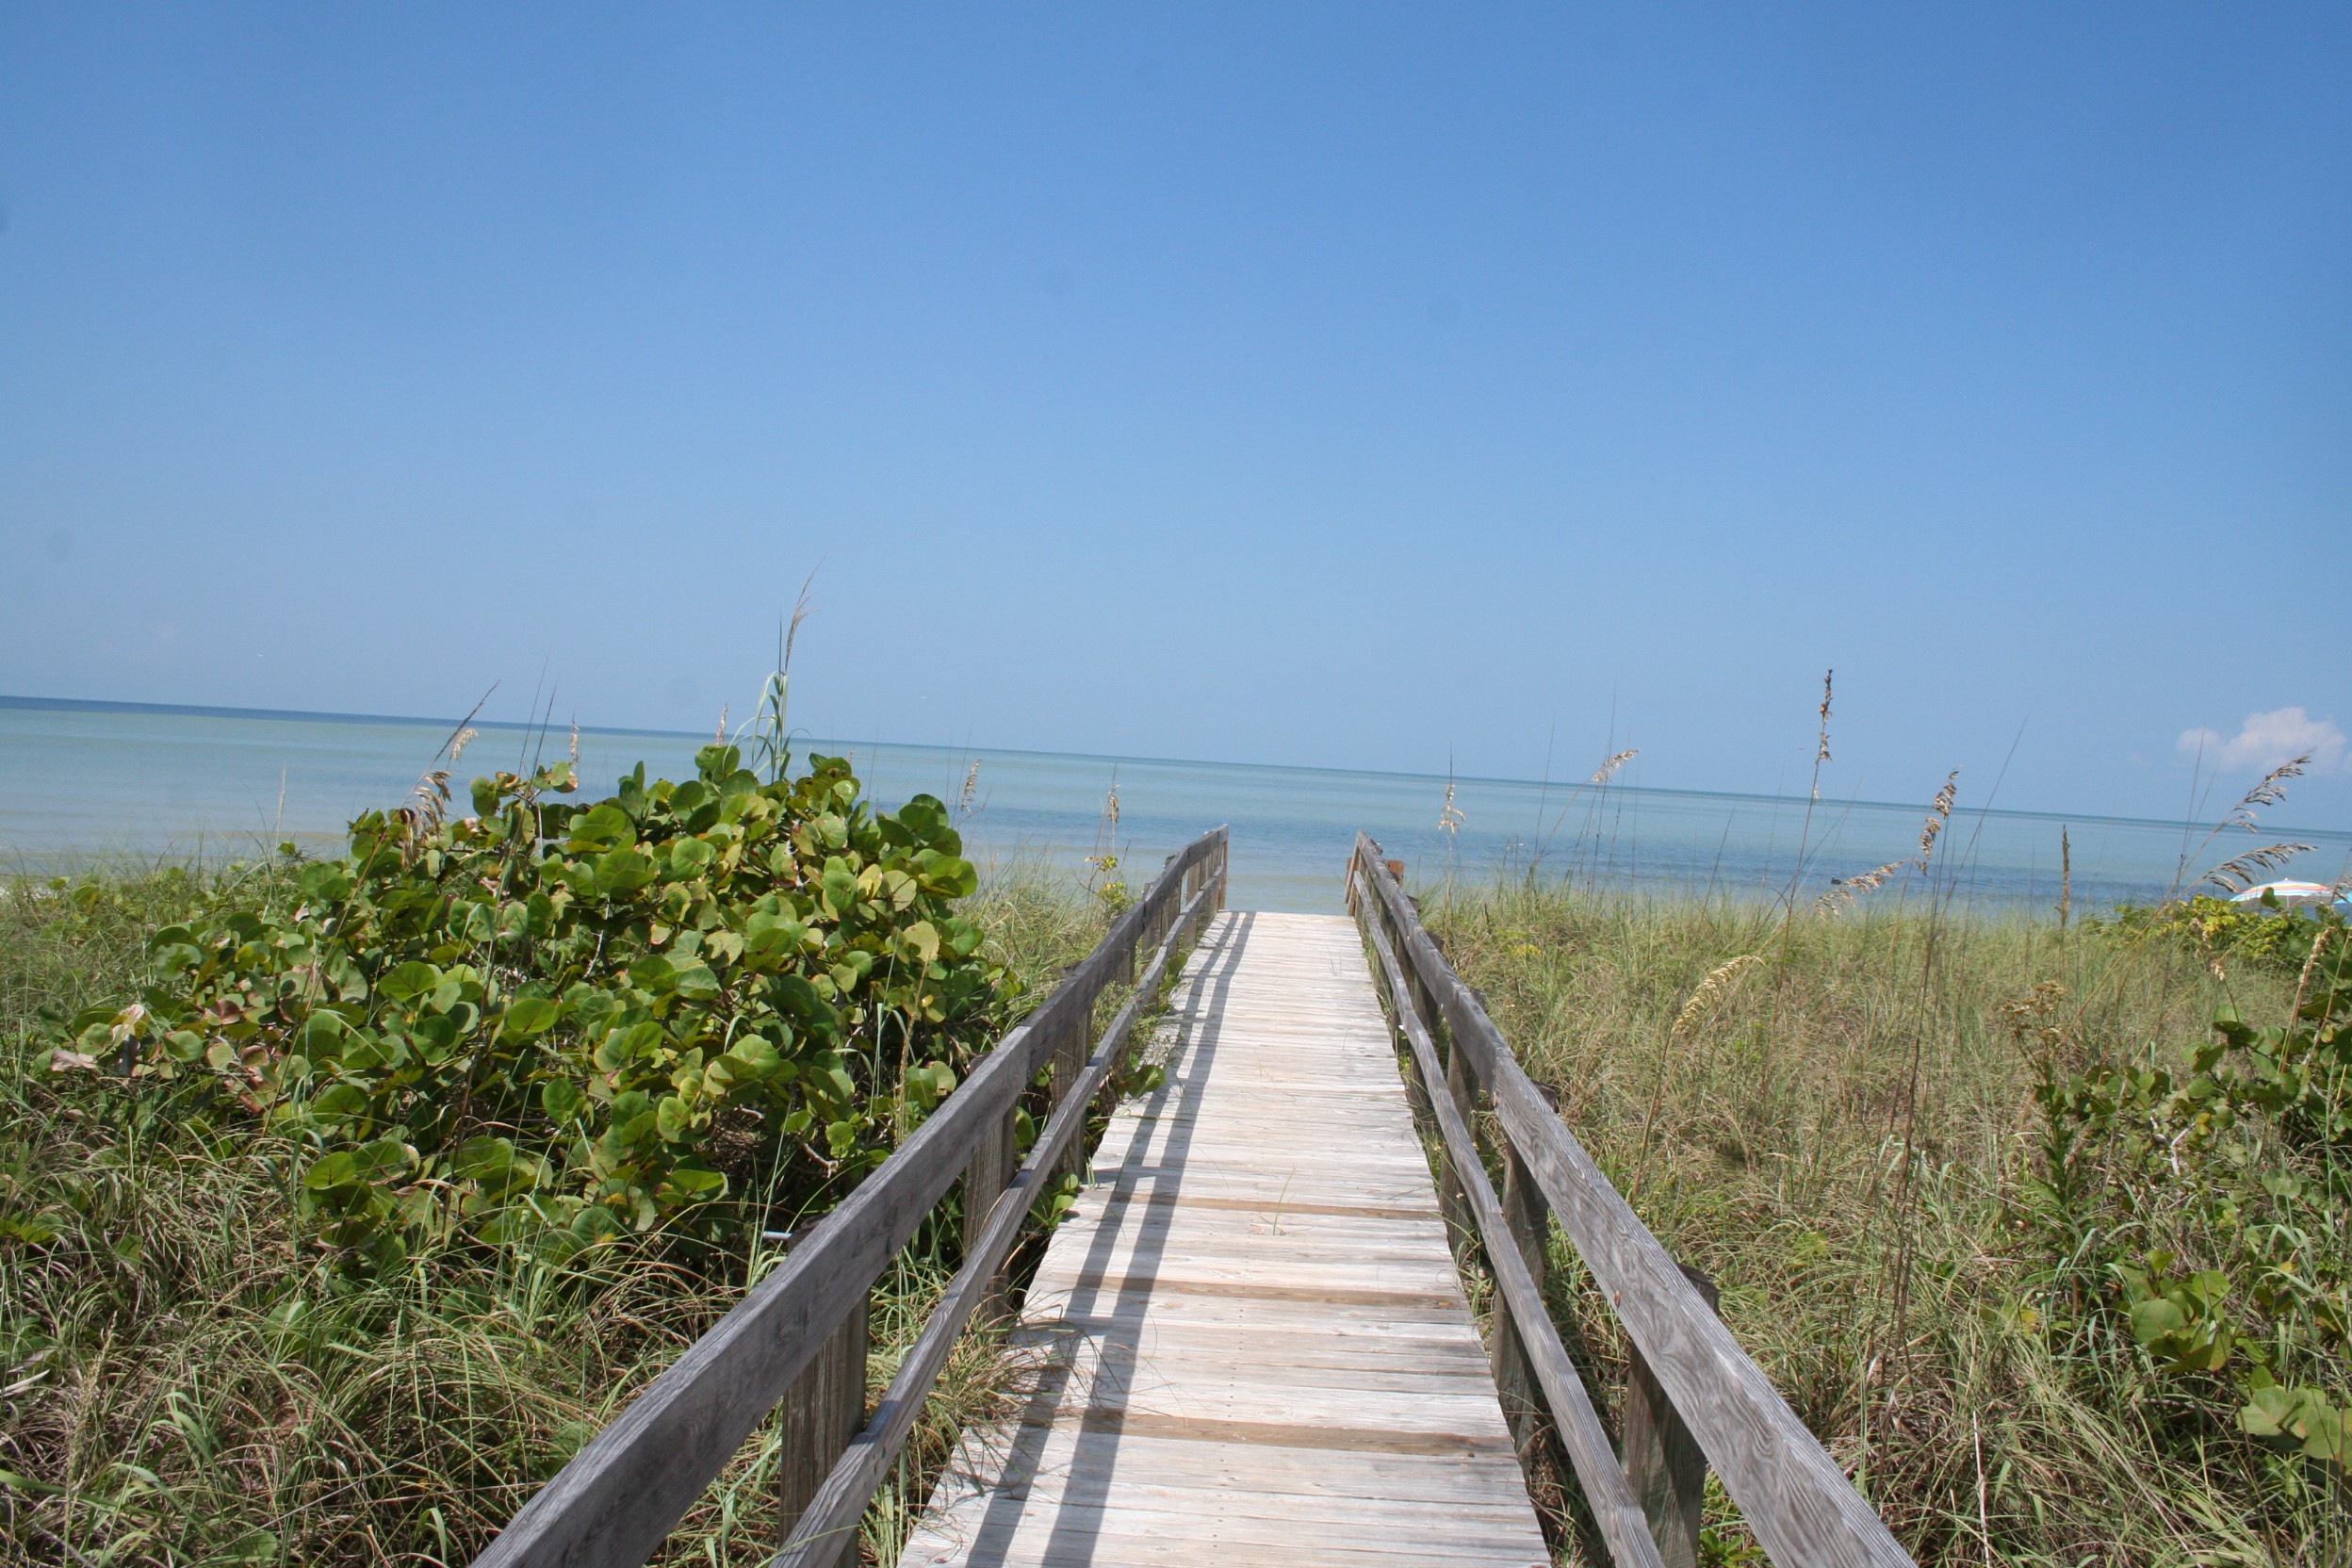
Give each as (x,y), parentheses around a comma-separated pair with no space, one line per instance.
(1663,1463)
(1069,1060)
(1529,1220)
(820,1413)
(1453,1203)
(1463,1088)
(993,1162)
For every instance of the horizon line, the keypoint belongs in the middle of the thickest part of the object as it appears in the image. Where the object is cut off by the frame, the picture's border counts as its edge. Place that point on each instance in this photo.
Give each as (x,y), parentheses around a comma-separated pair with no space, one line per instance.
(94,705)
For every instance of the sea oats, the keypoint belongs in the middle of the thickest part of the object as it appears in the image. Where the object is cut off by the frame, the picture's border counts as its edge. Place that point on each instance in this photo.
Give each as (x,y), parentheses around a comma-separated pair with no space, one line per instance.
(1845,891)
(1712,993)
(2236,876)
(1937,815)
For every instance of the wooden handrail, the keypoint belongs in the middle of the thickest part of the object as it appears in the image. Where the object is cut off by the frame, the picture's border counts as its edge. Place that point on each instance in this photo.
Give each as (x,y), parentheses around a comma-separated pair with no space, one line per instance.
(822,1530)
(1614,1508)
(628,1488)
(1800,1505)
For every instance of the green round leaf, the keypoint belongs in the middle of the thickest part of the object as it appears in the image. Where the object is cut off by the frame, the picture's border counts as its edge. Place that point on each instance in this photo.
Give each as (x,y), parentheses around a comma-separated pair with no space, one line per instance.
(605,826)
(409,981)
(331,1171)
(528,1016)
(562,1100)
(482,1156)
(624,871)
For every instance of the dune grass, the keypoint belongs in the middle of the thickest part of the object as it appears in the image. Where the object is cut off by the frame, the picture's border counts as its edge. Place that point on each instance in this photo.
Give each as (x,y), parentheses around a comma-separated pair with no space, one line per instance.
(182,1384)
(1843,1134)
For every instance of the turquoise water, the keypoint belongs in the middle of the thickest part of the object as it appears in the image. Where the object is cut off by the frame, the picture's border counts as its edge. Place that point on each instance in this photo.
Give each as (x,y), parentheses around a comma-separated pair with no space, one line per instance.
(81,784)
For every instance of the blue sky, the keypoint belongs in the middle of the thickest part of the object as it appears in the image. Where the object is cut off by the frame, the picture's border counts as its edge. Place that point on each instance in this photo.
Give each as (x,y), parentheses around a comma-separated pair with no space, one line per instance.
(1356,385)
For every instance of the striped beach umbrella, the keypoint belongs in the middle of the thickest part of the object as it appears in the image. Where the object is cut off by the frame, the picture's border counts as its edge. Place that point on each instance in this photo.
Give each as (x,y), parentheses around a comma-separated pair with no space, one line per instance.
(2296,895)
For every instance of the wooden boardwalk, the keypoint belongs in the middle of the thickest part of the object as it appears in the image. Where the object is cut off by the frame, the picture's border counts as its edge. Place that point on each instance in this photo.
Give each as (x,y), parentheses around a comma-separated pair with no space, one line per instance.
(1248,1338)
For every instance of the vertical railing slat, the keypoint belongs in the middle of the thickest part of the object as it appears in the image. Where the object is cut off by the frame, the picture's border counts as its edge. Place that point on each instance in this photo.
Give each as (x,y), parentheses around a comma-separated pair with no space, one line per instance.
(1664,1464)
(818,1415)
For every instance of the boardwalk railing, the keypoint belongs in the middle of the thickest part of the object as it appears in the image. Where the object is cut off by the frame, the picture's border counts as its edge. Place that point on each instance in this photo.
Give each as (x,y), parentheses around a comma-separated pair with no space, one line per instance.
(798,1339)
(1695,1398)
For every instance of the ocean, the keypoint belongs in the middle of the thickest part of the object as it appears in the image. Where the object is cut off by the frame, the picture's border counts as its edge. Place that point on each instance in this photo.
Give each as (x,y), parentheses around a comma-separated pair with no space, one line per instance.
(87,784)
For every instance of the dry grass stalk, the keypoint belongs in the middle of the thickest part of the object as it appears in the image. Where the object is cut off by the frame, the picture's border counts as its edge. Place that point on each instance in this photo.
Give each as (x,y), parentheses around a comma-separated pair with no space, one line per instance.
(1712,993)
(427,804)
(1938,815)
(2310,962)
(1450,819)
(2065,878)
(2270,792)
(1821,752)
(2234,876)
(1606,770)
(1845,891)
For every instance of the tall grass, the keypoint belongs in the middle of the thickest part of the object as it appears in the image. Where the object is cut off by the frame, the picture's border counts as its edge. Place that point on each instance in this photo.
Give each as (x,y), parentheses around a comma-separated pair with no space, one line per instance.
(182,1384)
(1840,1134)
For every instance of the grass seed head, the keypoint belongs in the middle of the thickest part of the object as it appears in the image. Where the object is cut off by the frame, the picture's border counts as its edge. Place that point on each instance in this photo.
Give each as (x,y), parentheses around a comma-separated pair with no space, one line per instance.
(1608,770)
(1843,891)
(2270,792)
(2236,874)
(1938,815)
(1712,993)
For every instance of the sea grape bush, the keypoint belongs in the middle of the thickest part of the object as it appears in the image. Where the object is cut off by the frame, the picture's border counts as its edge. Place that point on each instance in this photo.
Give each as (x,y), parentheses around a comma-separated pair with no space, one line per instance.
(2206,1215)
(2220,929)
(547,1023)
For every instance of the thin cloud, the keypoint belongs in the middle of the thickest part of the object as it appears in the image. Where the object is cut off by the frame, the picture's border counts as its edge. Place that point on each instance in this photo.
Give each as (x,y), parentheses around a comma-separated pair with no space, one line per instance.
(2268,740)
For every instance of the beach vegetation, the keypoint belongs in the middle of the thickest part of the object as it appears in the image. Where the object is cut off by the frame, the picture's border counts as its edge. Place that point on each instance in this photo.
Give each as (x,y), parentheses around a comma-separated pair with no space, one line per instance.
(2042,1231)
(204,1360)
(546,1024)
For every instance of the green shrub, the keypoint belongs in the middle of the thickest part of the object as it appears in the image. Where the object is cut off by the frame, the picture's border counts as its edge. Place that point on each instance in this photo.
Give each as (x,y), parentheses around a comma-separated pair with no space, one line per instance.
(547,1023)
(2200,1213)
(2221,928)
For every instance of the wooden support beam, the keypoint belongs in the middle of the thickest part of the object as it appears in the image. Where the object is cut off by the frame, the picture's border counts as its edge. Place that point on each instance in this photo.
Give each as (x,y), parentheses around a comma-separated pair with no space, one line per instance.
(985,1179)
(1529,1221)
(1663,1461)
(820,1414)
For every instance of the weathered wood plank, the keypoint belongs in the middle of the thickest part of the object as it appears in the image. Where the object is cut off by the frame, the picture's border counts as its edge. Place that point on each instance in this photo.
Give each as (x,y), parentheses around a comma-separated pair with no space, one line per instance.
(1209,1349)
(1663,1464)
(1291,1476)
(1530,1222)
(820,1414)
